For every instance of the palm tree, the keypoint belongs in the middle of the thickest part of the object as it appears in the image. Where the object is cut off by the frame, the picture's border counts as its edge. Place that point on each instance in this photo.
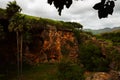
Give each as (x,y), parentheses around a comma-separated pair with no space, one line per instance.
(19,25)
(12,8)
(16,25)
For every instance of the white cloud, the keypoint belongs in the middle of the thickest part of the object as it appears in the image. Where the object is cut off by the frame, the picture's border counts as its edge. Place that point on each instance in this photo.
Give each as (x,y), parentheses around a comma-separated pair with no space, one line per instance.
(80,11)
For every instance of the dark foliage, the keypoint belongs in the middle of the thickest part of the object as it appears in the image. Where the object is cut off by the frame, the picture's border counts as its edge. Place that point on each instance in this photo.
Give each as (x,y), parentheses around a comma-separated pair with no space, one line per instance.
(75,25)
(5,23)
(59,4)
(12,8)
(92,59)
(112,36)
(104,8)
(67,71)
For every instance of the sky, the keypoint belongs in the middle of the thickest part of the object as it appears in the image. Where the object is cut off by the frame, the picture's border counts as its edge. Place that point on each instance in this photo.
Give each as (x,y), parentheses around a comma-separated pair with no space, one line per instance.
(81,11)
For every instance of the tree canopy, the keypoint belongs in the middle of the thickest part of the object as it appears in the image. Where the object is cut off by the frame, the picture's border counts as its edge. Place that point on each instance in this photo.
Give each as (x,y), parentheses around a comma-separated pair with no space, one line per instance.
(12,8)
(105,7)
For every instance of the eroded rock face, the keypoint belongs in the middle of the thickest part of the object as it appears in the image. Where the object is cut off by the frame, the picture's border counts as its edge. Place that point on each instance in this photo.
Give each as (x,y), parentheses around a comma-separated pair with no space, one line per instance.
(99,76)
(115,75)
(112,75)
(55,45)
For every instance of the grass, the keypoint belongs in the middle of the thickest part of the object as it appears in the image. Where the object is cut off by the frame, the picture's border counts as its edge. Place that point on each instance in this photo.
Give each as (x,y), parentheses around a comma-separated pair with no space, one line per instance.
(44,71)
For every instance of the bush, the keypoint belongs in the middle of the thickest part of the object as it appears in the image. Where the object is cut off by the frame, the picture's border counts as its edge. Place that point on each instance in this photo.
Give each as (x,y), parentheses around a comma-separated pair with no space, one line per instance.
(92,59)
(77,35)
(67,71)
(113,56)
(112,36)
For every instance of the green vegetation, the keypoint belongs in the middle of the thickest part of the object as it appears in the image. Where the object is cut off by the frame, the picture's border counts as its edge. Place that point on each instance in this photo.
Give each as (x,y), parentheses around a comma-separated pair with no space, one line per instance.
(112,49)
(12,8)
(64,50)
(2,13)
(112,36)
(91,57)
(45,71)
(41,72)
(67,71)
(2,34)
(113,55)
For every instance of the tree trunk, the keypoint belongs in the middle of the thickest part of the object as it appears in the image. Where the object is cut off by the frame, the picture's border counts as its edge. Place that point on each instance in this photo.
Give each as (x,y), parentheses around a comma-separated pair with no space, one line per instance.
(18,56)
(21,41)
